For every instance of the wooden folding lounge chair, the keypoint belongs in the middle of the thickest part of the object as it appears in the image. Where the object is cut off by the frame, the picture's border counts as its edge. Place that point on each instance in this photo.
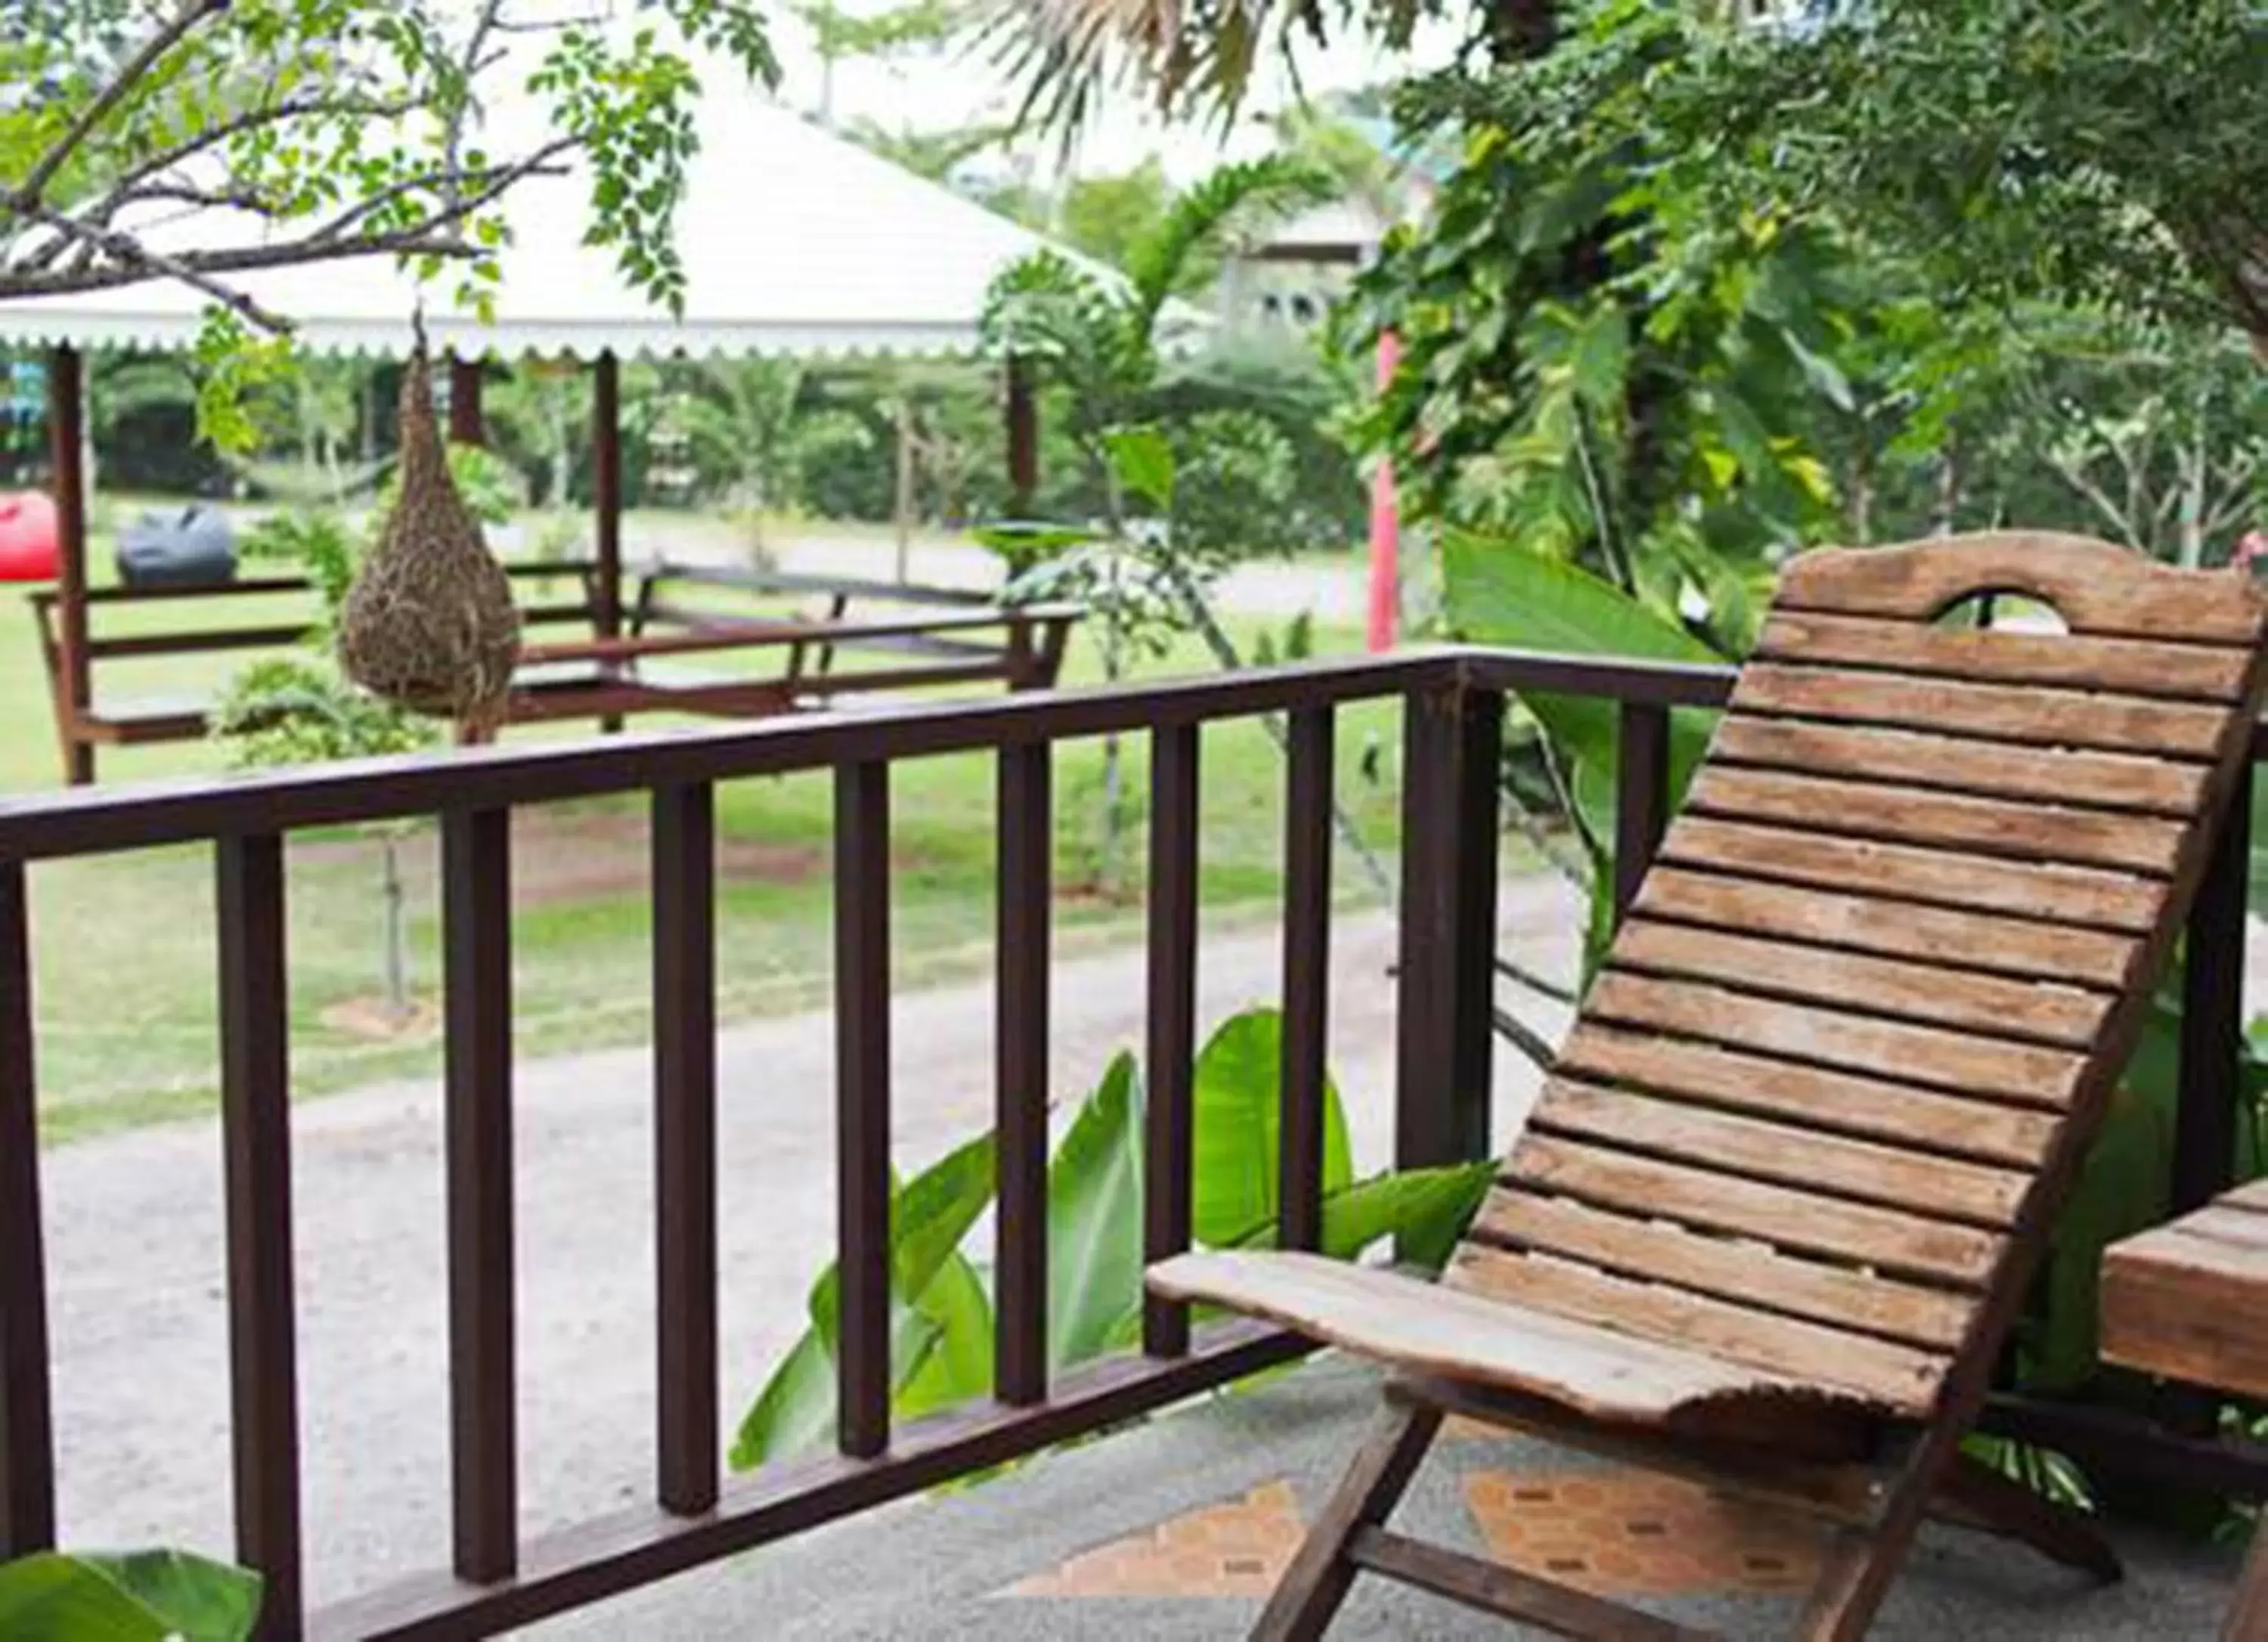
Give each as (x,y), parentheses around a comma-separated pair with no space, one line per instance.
(1781,1196)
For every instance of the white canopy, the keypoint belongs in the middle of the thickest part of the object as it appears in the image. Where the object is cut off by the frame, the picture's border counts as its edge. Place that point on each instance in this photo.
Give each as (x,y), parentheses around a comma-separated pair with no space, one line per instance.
(794,241)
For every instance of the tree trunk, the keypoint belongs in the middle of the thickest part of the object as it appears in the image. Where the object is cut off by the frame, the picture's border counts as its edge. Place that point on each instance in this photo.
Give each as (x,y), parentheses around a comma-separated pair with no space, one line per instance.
(1516,30)
(903,511)
(397,946)
(1946,512)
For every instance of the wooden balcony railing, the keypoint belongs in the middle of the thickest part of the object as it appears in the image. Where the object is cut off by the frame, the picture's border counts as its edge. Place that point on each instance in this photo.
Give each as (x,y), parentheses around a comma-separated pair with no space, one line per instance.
(1454,704)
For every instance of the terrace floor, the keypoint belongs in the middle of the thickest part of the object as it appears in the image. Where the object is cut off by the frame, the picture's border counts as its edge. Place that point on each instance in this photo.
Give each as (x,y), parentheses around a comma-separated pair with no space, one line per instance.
(1175,1529)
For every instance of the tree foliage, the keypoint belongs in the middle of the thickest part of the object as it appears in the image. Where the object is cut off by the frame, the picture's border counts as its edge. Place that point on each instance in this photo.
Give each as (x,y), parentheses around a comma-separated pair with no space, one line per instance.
(2082,151)
(296,131)
(1596,362)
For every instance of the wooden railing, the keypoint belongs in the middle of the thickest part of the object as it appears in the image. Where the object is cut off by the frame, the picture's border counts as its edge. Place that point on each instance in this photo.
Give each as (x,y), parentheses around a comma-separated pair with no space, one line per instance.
(1454,704)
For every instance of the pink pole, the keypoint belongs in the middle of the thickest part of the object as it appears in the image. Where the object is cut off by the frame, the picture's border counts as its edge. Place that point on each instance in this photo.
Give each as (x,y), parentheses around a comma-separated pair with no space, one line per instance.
(1385,521)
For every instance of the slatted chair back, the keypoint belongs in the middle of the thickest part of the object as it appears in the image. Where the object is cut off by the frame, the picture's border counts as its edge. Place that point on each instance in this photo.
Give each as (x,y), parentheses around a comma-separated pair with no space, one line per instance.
(1889,963)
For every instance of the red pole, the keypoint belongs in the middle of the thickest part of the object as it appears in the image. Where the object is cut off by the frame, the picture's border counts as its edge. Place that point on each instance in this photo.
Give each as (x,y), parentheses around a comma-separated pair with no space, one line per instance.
(1385,521)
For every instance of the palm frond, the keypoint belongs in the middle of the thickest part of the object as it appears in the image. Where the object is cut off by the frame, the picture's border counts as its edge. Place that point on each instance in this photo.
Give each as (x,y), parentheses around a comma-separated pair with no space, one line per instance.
(1233,198)
(1193,58)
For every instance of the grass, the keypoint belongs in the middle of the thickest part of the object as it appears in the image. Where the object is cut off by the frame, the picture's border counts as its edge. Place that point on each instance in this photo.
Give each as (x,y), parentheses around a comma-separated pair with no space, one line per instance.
(124,944)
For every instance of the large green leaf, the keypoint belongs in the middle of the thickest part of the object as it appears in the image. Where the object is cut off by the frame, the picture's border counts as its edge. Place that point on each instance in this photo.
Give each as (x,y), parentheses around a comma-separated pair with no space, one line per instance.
(795,1411)
(1424,1210)
(195,1599)
(929,1218)
(933,1352)
(1143,462)
(2121,1189)
(955,1362)
(138,1596)
(1496,592)
(1094,1220)
(1237,1100)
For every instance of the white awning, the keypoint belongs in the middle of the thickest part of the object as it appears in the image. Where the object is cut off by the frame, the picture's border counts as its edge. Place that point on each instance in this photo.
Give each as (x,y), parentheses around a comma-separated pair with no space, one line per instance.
(794,241)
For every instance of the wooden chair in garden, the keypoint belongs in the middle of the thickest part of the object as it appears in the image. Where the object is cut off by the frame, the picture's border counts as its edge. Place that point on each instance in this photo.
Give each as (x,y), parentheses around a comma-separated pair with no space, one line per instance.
(1783,1192)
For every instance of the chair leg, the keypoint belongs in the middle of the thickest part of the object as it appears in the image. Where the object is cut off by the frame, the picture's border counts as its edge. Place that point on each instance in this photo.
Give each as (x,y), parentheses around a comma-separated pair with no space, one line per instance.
(1974,1494)
(1864,1557)
(2248,1614)
(1309,1595)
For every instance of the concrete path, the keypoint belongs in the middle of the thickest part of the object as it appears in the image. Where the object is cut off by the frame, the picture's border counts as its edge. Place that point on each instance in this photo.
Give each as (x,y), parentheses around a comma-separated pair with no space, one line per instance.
(1334,593)
(140,1323)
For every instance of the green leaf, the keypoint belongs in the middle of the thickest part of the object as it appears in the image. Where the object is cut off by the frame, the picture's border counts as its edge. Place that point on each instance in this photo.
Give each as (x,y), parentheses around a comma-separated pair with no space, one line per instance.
(795,1411)
(1094,1220)
(1237,1098)
(929,1218)
(195,1598)
(53,1595)
(1424,1209)
(1144,462)
(1600,360)
(955,1362)
(139,1597)
(933,1352)
(1498,593)
(2122,1190)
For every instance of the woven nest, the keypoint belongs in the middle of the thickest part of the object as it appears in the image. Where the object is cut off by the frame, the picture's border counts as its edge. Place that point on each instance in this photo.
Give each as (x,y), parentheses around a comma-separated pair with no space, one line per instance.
(430,622)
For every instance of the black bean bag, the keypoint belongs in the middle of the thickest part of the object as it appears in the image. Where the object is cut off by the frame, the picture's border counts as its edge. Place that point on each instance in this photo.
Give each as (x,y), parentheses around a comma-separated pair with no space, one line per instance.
(191,547)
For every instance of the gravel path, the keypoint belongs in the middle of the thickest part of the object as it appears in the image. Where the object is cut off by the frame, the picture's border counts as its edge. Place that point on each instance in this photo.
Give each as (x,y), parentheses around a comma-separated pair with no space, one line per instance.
(140,1326)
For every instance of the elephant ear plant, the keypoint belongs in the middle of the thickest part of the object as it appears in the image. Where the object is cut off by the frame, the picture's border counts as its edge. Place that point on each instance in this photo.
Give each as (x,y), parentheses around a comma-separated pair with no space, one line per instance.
(133,1596)
(941,1306)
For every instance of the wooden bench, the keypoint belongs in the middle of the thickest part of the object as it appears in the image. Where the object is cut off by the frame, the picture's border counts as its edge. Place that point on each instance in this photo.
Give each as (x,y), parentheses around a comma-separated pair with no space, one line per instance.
(103,719)
(2189,1300)
(935,637)
(948,636)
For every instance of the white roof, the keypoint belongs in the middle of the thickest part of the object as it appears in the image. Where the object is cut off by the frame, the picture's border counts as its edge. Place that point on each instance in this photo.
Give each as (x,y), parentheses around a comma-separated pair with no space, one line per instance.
(1334,225)
(794,241)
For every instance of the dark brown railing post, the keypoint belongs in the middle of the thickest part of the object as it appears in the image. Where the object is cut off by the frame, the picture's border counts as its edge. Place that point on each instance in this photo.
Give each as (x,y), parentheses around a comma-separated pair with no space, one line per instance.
(27,1455)
(1641,796)
(1307,978)
(1452,750)
(684,845)
(476,964)
(1170,1047)
(862,1108)
(67,456)
(256,1135)
(1021,1040)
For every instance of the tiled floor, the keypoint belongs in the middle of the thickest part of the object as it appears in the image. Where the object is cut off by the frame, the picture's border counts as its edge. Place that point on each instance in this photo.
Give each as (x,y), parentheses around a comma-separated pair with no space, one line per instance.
(1177,1529)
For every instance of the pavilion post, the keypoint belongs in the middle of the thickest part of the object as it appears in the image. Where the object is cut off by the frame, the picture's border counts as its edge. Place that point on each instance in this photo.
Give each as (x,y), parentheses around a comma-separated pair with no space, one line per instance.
(465,426)
(1023,429)
(607,502)
(67,437)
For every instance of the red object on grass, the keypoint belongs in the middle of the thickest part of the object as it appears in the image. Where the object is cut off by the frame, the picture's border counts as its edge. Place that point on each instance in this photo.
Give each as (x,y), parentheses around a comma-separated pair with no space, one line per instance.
(30,549)
(1385,523)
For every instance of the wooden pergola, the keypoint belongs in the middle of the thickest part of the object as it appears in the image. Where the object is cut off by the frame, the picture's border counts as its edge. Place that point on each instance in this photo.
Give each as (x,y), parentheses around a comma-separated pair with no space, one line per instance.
(794,243)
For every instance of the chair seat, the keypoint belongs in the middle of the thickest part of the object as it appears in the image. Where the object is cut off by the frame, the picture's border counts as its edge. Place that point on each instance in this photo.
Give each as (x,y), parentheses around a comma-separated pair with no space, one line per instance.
(1413,1324)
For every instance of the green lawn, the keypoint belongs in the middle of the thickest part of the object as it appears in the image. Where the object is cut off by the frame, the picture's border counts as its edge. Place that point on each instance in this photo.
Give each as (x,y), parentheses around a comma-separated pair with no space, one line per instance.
(124,944)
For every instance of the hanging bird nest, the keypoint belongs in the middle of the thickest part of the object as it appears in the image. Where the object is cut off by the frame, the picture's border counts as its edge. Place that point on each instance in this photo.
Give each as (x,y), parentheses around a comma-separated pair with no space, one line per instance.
(429,622)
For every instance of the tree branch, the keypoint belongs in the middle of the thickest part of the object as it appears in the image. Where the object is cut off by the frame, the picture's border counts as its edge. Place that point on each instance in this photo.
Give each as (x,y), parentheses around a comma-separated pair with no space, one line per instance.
(131,185)
(126,246)
(488,183)
(2075,476)
(168,34)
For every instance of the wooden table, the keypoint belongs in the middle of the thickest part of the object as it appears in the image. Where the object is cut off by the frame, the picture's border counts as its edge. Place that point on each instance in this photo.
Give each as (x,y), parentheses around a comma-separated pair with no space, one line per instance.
(2190,1301)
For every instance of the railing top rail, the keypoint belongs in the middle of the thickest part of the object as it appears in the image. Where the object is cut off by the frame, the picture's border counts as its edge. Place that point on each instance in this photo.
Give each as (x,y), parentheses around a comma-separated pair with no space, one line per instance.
(99,820)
